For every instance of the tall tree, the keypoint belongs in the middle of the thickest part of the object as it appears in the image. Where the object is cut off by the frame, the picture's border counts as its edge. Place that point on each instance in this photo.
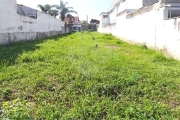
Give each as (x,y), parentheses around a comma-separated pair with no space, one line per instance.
(53,12)
(64,10)
(45,8)
(48,9)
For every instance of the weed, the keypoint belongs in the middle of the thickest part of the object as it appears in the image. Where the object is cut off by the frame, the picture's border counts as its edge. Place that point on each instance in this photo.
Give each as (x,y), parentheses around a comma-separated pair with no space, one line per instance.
(74,76)
(144,46)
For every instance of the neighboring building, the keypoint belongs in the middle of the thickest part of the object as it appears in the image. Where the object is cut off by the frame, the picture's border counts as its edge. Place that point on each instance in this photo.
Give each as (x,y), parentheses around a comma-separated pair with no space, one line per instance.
(171,9)
(26,11)
(122,6)
(72,21)
(105,19)
(94,21)
(76,23)
(117,7)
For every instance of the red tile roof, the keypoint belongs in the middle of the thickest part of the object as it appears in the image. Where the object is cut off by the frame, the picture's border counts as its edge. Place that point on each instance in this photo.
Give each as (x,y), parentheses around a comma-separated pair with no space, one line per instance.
(67,20)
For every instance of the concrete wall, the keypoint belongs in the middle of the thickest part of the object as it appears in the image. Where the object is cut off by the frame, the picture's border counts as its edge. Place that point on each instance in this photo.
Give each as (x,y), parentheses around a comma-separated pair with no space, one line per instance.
(68,28)
(148,26)
(8,13)
(93,27)
(15,27)
(85,27)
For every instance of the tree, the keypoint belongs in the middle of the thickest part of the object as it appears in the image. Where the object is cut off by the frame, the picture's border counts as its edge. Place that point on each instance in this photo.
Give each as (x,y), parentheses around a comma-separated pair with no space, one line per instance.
(48,9)
(45,8)
(64,10)
(54,13)
(84,22)
(94,21)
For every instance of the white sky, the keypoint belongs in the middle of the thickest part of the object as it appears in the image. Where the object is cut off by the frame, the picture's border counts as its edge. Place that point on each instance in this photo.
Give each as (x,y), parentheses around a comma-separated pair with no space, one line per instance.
(92,8)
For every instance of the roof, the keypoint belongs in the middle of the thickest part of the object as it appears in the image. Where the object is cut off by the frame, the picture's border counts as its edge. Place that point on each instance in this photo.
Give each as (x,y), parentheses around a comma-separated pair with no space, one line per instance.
(66,20)
(103,13)
(26,11)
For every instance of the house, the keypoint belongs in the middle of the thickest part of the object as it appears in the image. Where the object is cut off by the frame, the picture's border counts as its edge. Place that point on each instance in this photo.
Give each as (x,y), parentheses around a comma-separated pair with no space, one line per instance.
(171,9)
(94,21)
(76,23)
(26,11)
(72,21)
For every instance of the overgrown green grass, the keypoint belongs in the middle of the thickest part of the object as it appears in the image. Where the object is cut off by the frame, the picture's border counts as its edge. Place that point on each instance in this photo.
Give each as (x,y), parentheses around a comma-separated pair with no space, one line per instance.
(74,77)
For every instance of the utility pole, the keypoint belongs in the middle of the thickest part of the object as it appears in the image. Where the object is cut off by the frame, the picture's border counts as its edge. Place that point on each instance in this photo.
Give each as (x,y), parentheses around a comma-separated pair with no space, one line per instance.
(87,18)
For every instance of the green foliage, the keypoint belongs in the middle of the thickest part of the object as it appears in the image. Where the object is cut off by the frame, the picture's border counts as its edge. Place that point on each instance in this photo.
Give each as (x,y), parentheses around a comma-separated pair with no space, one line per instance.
(84,22)
(144,46)
(65,11)
(15,109)
(87,75)
(48,9)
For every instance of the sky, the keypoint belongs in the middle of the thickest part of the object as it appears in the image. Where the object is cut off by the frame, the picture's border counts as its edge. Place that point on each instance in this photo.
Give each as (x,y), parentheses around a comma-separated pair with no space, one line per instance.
(92,8)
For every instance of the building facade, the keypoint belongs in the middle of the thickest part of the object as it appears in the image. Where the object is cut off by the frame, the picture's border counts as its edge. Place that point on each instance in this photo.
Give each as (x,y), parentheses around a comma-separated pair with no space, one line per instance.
(170,8)
(75,23)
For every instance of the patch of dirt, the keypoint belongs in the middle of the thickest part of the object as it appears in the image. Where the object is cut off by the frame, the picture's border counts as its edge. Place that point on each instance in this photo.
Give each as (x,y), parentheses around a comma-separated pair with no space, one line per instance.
(173,103)
(113,46)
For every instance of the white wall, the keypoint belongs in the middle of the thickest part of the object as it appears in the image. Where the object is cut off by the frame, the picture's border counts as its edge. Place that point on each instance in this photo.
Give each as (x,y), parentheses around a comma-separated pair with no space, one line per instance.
(15,27)
(147,26)
(112,15)
(122,7)
(134,4)
(7,15)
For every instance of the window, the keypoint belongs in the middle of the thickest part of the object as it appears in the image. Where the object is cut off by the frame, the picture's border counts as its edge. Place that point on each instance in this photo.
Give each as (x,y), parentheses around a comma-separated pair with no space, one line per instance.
(105,16)
(173,13)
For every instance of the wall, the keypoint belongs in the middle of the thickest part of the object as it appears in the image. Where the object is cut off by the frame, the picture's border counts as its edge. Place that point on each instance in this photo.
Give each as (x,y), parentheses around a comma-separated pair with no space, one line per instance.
(93,27)
(148,26)
(84,27)
(134,4)
(15,27)
(68,28)
(168,36)
(8,13)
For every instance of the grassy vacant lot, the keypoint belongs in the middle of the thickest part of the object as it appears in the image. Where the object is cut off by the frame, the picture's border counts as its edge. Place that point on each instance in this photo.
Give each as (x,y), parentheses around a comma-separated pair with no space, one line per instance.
(74,77)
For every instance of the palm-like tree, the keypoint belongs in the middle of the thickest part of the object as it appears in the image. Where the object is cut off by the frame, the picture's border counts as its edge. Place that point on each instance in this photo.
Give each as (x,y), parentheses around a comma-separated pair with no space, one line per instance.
(64,10)
(48,9)
(54,13)
(45,8)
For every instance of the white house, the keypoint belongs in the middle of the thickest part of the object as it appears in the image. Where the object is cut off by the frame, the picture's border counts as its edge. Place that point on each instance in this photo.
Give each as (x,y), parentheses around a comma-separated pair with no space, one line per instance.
(171,9)
(117,7)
